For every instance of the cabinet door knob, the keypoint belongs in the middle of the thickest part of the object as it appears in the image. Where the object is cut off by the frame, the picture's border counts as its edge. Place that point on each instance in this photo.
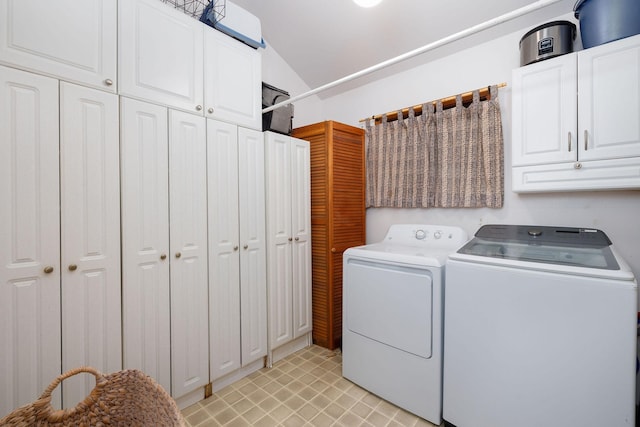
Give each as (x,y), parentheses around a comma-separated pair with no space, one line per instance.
(334,250)
(235,248)
(178,254)
(73,267)
(297,239)
(198,107)
(108,82)
(569,137)
(163,257)
(290,239)
(246,246)
(48,269)
(586,139)
(210,110)
(577,165)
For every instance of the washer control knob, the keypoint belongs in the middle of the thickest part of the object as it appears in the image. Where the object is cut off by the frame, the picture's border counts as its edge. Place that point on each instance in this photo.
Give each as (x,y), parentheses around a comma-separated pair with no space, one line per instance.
(437,234)
(420,234)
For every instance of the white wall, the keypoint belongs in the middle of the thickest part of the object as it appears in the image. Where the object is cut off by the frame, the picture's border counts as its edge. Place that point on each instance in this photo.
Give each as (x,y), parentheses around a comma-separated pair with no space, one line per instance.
(615,212)
(276,72)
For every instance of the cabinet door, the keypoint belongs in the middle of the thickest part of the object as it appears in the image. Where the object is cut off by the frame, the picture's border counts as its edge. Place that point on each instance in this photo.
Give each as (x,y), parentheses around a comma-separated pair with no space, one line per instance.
(160,54)
(609,100)
(29,238)
(545,112)
(145,239)
(188,242)
(90,221)
(253,269)
(300,184)
(279,238)
(65,38)
(224,256)
(233,80)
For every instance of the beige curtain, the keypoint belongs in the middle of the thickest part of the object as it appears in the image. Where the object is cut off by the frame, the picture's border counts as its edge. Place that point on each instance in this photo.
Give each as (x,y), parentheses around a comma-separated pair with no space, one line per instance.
(444,158)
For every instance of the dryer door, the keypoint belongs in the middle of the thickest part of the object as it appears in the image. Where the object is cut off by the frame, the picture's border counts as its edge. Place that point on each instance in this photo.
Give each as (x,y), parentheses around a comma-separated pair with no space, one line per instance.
(391,304)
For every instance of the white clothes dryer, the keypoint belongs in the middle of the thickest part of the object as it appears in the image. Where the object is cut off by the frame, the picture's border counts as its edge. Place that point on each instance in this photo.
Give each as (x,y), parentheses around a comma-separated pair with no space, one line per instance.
(392,315)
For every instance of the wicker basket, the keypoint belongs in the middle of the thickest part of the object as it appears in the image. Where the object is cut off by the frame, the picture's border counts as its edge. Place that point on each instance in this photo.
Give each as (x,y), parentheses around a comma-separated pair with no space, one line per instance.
(123,398)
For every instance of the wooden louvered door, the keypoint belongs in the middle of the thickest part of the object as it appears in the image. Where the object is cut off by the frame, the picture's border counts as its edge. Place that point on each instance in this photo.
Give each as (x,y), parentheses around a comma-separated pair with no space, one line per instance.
(337,217)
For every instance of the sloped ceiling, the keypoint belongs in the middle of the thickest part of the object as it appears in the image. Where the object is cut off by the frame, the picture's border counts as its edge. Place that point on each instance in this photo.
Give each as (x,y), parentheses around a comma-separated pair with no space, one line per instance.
(330,39)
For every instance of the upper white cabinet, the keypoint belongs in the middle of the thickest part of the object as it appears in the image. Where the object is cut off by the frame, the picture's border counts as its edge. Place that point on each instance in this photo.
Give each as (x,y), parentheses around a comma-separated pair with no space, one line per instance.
(576,120)
(237,259)
(160,54)
(170,58)
(232,73)
(288,186)
(68,39)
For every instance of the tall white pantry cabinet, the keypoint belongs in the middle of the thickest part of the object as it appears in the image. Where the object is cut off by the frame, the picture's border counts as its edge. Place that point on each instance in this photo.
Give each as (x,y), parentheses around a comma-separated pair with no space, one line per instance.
(164,234)
(60,234)
(288,183)
(237,258)
(133,233)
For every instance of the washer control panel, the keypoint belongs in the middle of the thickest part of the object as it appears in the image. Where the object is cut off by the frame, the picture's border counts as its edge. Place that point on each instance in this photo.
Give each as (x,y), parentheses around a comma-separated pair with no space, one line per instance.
(420,234)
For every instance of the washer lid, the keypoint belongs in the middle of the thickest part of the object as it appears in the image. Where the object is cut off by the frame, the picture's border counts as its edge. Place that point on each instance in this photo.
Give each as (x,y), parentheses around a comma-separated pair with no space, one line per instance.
(576,247)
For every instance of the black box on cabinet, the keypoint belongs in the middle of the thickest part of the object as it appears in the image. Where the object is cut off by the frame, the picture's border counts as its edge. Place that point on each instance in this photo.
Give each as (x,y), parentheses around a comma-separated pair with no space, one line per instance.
(281,119)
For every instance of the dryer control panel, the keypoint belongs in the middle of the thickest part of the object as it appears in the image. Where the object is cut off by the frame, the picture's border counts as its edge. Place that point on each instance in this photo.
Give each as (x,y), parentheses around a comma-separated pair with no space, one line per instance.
(426,235)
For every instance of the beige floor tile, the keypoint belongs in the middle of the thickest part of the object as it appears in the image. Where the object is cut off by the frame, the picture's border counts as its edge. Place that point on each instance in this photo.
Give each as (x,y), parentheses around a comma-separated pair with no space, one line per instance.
(308,411)
(295,402)
(197,417)
(294,421)
(305,389)
(281,413)
(225,416)
(322,420)
(254,414)
(269,404)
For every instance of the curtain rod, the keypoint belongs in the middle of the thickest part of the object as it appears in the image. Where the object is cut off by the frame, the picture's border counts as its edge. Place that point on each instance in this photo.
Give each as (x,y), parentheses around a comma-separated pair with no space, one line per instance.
(443,41)
(447,102)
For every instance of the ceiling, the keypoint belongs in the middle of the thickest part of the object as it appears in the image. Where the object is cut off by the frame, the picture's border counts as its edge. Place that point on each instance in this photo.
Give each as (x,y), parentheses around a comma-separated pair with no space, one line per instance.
(330,39)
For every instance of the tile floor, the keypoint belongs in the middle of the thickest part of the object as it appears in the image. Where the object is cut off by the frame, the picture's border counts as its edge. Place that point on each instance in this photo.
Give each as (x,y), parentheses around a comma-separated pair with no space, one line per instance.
(304,389)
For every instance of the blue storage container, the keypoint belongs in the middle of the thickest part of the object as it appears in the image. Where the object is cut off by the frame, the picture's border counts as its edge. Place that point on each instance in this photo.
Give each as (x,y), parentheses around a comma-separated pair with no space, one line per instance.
(603,21)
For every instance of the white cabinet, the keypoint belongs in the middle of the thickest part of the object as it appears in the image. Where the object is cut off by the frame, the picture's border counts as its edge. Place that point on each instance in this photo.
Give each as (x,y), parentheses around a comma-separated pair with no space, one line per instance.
(237,263)
(29,238)
(90,231)
(170,58)
(160,54)
(145,240)
(188,248)
(71,40)
(288,240)
(164,235)
(576,120)
(60,256)
(233,87)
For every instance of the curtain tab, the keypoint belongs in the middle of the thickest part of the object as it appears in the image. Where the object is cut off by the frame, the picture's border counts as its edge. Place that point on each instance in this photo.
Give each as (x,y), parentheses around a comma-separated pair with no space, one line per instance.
(493,91)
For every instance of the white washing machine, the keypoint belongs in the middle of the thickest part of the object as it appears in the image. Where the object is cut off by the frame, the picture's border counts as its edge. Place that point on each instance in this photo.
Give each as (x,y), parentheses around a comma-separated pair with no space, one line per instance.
(392,315)
(540,330)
